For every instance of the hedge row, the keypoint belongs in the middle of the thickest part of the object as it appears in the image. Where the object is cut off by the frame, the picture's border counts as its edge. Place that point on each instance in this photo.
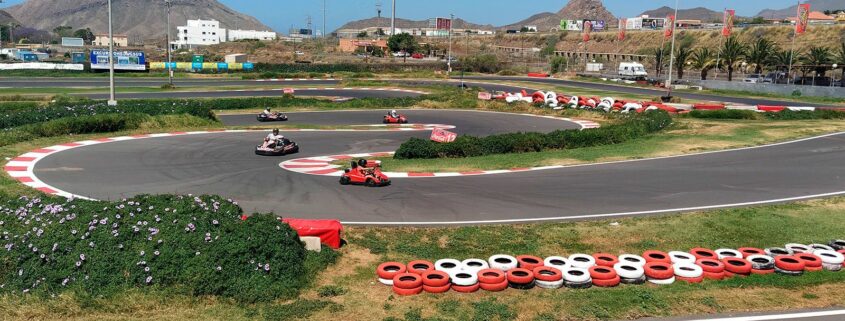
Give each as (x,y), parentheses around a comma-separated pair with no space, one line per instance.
(633,126)
(783,115)
(723,114)
(105,123)
(194,244)
(10,119)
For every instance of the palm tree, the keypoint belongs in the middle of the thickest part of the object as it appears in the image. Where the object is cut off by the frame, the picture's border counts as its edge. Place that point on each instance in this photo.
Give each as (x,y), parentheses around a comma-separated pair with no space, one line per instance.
(818,60)
(780,59)
(704,60)
(840,60)
(732,53)
(759,54)
(681,56)
(659,54)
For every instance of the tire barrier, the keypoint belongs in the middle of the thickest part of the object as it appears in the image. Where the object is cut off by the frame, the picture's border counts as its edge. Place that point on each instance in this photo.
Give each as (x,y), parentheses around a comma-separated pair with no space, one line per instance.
(581,271)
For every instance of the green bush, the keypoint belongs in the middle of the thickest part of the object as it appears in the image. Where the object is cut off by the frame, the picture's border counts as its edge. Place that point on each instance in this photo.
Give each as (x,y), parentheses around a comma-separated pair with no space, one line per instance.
(806,115)
(723,114)
(198,245)
(18,106)
(59,110)
(632,126)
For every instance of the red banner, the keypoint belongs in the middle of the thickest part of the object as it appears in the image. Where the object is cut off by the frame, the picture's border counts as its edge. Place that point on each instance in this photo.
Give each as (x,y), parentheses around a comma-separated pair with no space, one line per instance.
(588,27)
(443,136)
(623,24)
(444,24)
(288,91)
(803,18)
(485,96)
(670,26)
(728,22)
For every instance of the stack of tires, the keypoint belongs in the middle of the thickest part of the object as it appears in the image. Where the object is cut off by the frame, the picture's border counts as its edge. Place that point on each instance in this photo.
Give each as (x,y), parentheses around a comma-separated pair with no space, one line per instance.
(579,271)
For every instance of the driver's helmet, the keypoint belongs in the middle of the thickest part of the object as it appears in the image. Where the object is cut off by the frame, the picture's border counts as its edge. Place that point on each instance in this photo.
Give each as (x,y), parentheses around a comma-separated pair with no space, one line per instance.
(393,112)
(267,109)
(275,131)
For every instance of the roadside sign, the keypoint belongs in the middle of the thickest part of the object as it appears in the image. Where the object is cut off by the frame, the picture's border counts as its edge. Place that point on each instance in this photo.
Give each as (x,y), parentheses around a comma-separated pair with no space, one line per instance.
(443,136)
(78,57)
(72,42)
(222,66)
(485,96)
(248,66)
(198,59)
(288,91)
(124,60)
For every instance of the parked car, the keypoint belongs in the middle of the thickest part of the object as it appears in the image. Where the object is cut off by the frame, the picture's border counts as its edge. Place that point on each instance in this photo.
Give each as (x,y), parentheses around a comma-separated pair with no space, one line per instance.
(632,70)
(417,56)
(400,54)
(753,79)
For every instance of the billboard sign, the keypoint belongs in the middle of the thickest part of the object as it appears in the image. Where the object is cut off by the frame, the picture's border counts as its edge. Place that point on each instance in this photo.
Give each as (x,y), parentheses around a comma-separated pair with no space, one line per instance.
(78,57)
(123,60)
(248,66)
(578,25)
(653,23)
(72,42)
(803,18)
(443,24)
(443,136)
(596,25)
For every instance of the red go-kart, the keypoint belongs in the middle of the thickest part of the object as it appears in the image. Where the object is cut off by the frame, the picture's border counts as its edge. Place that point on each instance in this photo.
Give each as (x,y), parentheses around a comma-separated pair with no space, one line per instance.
(364,172)
(401,119)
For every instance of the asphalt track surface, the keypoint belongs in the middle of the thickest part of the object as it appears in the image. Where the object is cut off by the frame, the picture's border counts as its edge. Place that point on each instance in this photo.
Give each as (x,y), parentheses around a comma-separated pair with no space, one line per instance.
(224,164)
(797,315)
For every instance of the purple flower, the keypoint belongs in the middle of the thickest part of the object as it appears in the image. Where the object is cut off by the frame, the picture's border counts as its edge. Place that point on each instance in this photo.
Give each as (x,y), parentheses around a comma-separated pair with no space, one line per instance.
(156,253)
(82,257)
(219,268)
(149,279)
(142,253)
(78,263)
(146,269)
(267,267)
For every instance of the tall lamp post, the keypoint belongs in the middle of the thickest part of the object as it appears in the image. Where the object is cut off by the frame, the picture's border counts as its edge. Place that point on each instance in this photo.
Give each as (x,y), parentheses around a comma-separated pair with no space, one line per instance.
(672,51)
(168,4)
(112,101)
(449,56)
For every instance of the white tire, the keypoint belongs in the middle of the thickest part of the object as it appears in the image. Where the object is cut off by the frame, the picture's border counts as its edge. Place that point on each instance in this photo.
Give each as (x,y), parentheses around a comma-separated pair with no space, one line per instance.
(474,265)
(725,253)
(576,275)
(450,266)
(557,262)
(817,247)
(582,261)
(632,259)
(549,285)
(688,270)
(798,248)
(830,257)
(761,262)
(681,257)
(629,270)
(464,278)
(662,282)
(385,281)
(775,251)
(832,267)
(502,262)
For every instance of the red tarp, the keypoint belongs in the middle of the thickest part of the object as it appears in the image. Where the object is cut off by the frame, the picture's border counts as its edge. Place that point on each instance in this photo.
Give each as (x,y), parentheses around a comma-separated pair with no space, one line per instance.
(327,230)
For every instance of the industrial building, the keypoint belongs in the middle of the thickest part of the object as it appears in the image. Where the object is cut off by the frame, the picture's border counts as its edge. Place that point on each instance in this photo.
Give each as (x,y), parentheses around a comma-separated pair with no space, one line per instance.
(102,40)
(199,33)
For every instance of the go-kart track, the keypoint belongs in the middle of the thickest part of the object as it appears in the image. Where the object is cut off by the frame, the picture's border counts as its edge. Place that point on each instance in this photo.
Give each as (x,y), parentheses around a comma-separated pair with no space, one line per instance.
(224,163)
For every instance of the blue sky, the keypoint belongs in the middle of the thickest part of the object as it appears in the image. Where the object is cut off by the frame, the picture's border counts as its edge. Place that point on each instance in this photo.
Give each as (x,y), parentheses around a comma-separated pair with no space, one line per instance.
(281,14)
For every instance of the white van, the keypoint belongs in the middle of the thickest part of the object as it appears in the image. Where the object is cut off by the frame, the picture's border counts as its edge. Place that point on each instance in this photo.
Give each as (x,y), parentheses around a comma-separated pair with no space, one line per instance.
(632,70)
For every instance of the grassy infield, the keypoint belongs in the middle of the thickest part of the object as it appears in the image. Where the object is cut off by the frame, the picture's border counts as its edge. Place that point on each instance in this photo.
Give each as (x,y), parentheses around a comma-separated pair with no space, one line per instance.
(347,291)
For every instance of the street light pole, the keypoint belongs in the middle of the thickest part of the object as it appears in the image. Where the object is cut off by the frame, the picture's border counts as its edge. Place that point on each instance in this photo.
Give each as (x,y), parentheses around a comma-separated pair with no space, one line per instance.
(393,20)
(112,101)
(449,56)
(168,4)
(672,51)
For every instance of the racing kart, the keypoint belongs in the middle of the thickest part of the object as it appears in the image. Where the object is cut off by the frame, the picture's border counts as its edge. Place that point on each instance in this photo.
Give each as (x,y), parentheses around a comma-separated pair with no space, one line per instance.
(280,147)
(275,116)
(364,172)
(400,119)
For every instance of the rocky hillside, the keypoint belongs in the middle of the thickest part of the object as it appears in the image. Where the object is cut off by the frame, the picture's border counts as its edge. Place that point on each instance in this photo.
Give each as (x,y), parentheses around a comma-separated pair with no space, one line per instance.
(384,22)
(6,18)
(815,5)
(574,10)
(700,13)
(141,19)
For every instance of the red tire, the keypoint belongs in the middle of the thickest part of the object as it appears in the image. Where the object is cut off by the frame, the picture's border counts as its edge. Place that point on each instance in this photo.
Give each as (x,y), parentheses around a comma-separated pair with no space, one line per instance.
(520,276)
(529,262)
(747,251)
(492,276)
(466,289)
(737,266)
(810,260)
(407,281)
(388,270)
(494,287)
(437,289)
(813,268)
(548,274)
(602,273)
(729,274)
(789,263)
(702,253)
(714,276)
(604,259)
(690,280)
(659,270)
(762,272)
(420,267)
(656,256)
(435,278)
(404,292)
(711,265)
(607,283)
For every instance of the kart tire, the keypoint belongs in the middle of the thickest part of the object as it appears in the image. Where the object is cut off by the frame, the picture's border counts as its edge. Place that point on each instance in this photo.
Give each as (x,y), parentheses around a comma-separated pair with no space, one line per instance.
(607,283)
(761,262)
(789,263)
(690,280)
(688,270)
(576,275)
(789,272)
(529,262)
(661,281)
(746,251)
(656,256)
(832,267)
(549,285)
(581,261)
(494,287)
(370,182)
(659,270)
(437,289)
(450,266)
(547,274)
(637,281)
(492,276)
(407,292)
(681,257)
(578,285)
(474,265)
(605,259)
(557,262)
(762,272)
(466,288)
(522,286)
(703,253)
(385,281)
(775,251)
(435,278)
(837,244)
(632,260)
(737,265)
(711,265)
(830,257)
(629,271)
(602,273)
(714,275)
(816,247)
(798,248)
(722,254)
(810,260)
(520,276)
(420,267)
(407,281)
(344,180)
(388,270)
(502,262)
(464,278)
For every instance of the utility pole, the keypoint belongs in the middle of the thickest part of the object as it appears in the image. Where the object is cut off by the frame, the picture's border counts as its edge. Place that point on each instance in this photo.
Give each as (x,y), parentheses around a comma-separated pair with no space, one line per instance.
(112,101)
(393,20)
(324,18)
(449,56)
(168,4)
(378,21)
(672,51)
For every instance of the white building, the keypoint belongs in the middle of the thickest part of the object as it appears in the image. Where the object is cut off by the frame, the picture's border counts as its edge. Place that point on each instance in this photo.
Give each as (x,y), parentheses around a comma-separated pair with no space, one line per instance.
(235,35)
(199,33)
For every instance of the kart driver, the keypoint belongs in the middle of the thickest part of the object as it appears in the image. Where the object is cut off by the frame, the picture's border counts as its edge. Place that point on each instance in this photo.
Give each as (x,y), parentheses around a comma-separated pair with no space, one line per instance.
(267,111)
(272,138)
(393,114)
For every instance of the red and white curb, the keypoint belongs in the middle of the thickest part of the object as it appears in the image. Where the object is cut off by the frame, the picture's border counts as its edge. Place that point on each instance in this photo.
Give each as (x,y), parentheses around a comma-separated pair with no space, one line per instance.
(297,79)
(337,89)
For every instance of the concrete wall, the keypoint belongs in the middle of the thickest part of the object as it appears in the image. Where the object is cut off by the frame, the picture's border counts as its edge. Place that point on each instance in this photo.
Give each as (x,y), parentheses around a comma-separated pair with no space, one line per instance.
(787,90)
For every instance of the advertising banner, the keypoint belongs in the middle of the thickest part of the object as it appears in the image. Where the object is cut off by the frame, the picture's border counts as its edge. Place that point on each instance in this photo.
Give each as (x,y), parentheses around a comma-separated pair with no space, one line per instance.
(123,60)
(288,91)
(653,23)
(443,24)
(728,22)
(803,18)
(670,26)
(443,136)
(78,57)
(485,96)
(623,24)
(588,27)
(72,42)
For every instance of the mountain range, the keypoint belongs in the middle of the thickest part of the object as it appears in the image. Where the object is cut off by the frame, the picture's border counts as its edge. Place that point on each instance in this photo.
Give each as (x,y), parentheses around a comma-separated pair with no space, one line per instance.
(815,5)
(6,18)
(699,13)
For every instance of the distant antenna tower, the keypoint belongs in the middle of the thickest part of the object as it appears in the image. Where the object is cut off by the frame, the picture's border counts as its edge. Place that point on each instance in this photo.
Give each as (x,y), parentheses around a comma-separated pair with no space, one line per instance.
(378,8)
(308,23)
